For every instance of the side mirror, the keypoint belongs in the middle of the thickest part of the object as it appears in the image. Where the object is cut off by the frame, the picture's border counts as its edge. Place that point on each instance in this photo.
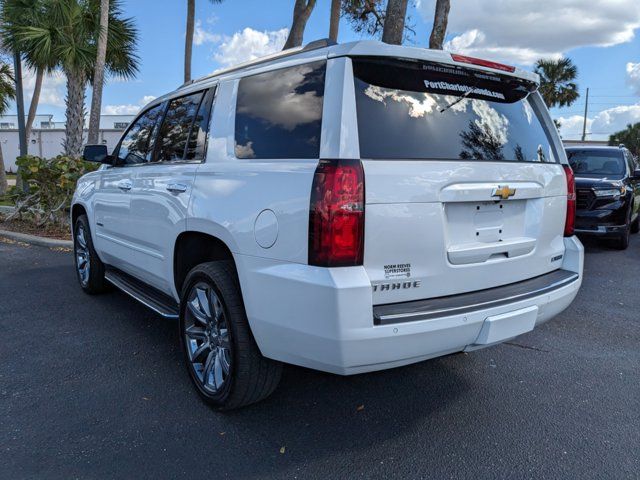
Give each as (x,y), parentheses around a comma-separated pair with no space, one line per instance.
(96,153)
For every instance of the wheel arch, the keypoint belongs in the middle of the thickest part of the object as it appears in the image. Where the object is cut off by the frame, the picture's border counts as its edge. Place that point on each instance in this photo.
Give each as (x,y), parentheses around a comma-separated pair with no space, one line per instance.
(77,209)
(193,247)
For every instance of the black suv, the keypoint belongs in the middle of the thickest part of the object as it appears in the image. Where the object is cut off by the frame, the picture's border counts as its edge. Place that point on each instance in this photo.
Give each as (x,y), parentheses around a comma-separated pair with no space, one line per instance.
(608,192)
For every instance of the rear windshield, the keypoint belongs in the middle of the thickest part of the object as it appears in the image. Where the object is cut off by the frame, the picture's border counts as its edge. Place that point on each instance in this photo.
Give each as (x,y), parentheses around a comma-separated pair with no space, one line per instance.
(597,164)
(417,110)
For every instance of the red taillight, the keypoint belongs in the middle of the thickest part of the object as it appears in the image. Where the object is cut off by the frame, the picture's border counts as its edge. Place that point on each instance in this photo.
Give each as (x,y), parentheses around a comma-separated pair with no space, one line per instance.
(482,63)
(336,216)
(570,222)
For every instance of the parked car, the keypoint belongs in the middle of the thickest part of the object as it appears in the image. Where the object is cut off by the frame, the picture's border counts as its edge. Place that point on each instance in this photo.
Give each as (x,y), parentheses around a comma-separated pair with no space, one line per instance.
(346,208)
(608,192)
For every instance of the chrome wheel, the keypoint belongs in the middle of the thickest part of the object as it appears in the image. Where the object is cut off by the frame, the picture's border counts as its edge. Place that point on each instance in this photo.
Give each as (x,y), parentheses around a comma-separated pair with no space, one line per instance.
(83,256)
(207,339)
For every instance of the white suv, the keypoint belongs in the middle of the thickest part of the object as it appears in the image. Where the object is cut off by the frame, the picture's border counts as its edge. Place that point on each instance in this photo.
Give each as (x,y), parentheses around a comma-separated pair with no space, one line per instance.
(346,208)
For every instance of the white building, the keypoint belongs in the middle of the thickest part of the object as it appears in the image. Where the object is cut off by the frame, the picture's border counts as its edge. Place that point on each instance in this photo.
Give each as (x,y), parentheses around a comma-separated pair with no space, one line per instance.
(47,136)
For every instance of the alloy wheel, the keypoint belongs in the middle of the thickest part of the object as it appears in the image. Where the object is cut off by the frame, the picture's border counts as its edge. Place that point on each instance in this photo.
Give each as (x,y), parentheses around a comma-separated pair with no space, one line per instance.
(83,256)
(207,339)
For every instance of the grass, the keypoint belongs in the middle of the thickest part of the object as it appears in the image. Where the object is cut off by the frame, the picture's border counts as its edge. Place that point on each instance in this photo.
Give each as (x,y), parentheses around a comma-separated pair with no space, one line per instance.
(11,176)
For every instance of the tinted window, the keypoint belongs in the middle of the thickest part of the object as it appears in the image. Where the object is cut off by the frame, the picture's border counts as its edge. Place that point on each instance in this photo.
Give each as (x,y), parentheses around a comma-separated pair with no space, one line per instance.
(196,145)
(136,146)
(413,110)
(176,126)
(279,113)
(606,163)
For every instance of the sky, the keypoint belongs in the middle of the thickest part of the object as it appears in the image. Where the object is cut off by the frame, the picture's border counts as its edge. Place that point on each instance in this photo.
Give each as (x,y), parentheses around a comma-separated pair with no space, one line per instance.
(600,36)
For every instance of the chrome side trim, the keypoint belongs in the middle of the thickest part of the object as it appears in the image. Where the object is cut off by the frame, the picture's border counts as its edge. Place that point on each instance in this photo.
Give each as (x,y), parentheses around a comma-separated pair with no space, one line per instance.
(468,302)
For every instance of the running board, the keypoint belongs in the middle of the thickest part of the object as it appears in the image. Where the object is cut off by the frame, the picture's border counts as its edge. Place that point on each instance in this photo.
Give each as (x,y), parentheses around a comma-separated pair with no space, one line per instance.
(151,298)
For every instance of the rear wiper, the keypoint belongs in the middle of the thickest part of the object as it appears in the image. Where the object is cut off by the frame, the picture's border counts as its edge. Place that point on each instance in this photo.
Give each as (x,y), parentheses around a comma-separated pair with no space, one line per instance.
(462,97)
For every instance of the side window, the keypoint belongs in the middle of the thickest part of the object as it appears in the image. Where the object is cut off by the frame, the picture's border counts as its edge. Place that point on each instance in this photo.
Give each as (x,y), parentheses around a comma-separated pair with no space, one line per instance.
(137,146)
(196,145)
(279,113)
(174,133)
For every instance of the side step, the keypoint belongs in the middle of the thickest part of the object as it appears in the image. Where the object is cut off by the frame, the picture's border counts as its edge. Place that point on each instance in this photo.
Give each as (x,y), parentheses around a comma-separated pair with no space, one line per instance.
(157,301)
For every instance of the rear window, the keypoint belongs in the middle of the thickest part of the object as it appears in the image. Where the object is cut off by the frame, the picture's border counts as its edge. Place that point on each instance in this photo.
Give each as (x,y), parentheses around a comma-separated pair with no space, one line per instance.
(597,164)
(417,110)
(279,113)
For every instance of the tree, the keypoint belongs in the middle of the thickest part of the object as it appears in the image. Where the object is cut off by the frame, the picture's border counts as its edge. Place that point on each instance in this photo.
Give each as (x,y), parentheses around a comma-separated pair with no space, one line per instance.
(15,16)
(368,16)
(630,137)
(98,74)
(334,20)
(301,11)
(393,30)
(365,16)
(66,36)
(188,40)
(7,93)
(440,20)
(557,82)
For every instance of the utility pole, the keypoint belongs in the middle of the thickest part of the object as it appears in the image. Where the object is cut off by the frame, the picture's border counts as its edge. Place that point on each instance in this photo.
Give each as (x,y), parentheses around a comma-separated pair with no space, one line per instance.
(584,123)
(22,134)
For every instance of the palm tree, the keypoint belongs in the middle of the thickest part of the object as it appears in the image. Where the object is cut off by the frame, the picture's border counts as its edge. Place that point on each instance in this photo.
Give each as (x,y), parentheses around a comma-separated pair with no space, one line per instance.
(14,16)
(557,81)
(98,74)
(66,36)
(7,93)
(188,41)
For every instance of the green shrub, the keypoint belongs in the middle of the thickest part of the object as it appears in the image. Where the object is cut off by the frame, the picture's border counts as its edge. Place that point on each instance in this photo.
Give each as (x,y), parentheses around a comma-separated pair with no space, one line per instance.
(51,184)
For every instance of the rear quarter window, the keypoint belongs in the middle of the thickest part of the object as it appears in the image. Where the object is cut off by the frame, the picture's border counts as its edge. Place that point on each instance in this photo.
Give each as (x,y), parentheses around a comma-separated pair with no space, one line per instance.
(416,110)
(279,113)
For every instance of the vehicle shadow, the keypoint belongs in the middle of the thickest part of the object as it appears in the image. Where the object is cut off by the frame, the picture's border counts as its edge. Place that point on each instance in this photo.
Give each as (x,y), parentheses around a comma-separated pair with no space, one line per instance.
(317,415)
(593,245)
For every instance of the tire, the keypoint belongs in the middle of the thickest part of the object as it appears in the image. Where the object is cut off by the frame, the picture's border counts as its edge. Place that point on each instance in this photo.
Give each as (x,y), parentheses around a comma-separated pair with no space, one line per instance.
(635,225)
(89,267)
(221,355)
(622,242)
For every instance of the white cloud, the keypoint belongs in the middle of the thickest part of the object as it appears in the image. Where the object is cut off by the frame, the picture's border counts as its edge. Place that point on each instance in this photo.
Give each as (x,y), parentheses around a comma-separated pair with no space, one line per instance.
(127,109)
(633,76)
(521,31)
(601,125)
(53,88)
(200,35)
(571,127)
(146,99)
(249,44)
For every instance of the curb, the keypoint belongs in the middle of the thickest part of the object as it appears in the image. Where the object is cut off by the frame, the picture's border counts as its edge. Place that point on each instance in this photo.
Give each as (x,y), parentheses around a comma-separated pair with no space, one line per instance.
(35,240)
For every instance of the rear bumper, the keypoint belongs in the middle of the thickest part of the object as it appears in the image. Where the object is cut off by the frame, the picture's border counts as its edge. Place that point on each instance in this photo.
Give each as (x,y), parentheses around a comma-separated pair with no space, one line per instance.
(324,319)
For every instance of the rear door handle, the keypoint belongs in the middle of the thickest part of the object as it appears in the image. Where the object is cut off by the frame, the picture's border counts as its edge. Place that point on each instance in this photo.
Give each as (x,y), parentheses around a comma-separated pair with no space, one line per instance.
(125,185)
(177,187)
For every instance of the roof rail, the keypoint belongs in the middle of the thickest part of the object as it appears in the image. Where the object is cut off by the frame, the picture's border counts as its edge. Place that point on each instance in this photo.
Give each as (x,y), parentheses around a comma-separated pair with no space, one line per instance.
(320,43)
(314,45)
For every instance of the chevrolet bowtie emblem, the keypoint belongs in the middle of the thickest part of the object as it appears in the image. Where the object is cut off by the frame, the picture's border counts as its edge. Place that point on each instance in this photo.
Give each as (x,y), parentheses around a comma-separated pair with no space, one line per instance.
(504,192)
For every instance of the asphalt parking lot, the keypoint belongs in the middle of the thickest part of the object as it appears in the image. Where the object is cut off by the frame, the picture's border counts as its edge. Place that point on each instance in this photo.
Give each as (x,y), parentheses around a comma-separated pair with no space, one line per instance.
(95,387)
